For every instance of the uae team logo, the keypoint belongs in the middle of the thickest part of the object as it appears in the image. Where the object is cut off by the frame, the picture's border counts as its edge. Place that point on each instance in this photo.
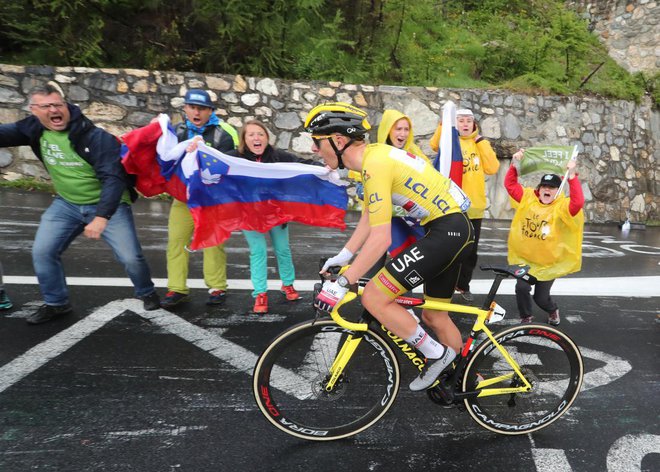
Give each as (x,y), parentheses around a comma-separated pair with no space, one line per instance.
(413,278)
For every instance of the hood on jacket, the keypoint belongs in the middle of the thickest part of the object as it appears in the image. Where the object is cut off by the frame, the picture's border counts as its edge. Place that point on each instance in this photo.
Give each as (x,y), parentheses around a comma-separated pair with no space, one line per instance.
(390,117)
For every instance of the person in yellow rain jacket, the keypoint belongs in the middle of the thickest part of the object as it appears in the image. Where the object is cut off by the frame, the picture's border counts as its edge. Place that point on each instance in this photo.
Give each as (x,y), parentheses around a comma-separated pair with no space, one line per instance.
(546,234)
(396,130)
(479,160)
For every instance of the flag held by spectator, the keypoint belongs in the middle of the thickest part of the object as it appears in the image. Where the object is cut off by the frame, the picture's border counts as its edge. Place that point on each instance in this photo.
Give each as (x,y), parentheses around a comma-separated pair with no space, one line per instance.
(143,152)
(227,193)
(547,159)
(449,161)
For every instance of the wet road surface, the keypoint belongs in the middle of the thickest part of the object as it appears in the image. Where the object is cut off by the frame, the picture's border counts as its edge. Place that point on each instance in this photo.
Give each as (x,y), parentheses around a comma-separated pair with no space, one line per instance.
(111,387)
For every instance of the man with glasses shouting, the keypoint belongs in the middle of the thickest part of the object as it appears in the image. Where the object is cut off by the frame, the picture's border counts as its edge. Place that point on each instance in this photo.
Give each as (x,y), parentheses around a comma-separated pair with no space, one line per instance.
(93,197)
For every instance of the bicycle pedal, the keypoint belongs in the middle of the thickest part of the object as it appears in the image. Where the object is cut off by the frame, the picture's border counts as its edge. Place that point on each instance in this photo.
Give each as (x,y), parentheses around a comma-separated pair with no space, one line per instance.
(440,394)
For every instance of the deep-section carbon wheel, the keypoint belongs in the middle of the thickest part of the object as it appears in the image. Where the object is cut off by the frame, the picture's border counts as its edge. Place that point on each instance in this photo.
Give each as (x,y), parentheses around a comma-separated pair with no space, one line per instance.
(548,359)
(291,376)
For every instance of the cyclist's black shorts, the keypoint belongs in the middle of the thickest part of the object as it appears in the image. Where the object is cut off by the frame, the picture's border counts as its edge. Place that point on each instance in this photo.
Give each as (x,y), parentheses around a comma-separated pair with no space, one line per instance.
(434,260)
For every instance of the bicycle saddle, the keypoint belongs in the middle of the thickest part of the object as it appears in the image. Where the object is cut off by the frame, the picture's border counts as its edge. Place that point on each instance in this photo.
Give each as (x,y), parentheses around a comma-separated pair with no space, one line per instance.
(516,271)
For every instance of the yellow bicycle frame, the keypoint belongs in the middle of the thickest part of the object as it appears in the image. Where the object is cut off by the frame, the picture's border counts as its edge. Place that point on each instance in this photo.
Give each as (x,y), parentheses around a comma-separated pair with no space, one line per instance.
(483,316)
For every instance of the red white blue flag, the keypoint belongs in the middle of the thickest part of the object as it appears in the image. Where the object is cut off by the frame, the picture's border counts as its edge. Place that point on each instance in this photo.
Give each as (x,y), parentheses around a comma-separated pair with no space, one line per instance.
(140,157)
(227,193)
(449,161)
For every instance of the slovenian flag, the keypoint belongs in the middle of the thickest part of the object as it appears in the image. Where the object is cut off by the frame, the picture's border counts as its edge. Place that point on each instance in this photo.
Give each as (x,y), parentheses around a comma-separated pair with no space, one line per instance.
(449,161)
(142,151)
(229,193)
(226,193)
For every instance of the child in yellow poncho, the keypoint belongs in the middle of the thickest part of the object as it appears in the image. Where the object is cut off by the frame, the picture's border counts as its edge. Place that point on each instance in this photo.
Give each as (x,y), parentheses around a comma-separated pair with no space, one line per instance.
(546,234)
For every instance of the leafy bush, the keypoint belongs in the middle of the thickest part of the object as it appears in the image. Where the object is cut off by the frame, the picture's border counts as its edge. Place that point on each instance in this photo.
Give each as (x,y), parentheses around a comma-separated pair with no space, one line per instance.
(460,43)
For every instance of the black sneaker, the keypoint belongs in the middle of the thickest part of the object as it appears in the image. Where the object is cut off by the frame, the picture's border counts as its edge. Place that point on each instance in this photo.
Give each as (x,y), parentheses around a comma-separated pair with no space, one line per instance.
(151,301)
(47,313)
(466,295)
(217,297)
(173,298)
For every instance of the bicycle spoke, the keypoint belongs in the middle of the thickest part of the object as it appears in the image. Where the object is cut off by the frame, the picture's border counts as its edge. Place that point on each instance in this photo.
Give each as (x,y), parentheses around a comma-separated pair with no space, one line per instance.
(292,376)
(548,360)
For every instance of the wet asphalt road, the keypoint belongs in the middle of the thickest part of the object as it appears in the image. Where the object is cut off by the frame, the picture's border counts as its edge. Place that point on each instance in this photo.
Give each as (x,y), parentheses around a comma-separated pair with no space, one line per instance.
(113,388)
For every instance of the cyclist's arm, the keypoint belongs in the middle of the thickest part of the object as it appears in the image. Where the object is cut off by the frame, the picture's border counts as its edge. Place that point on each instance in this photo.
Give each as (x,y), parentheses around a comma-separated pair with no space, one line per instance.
(360,234)
(379,239)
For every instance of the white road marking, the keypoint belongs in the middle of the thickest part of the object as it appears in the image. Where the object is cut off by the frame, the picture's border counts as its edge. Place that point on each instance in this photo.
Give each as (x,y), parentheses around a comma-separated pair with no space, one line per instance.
(550,460)
(642,286)
(156,432)
(627,452)
(239,357)
(614,368)
(40,354)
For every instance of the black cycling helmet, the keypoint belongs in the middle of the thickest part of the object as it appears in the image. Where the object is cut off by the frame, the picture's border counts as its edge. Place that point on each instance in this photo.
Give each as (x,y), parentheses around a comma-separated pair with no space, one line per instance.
(337,117)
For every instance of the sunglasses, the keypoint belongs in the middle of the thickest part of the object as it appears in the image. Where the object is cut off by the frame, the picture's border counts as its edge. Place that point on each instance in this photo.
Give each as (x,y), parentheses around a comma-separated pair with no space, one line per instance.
(317,140)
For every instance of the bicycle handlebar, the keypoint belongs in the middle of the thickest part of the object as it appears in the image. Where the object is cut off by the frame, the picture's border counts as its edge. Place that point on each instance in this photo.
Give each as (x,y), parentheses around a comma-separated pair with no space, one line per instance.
(344,323)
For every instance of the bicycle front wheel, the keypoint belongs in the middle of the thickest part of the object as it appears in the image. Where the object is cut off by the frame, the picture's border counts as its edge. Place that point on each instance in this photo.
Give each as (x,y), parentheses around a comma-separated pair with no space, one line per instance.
(547,358)
(291,377)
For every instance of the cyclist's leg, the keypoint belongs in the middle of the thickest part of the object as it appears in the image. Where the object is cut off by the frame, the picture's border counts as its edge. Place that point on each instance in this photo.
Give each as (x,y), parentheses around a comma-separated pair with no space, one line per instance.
(441,287)
(470,262)
(383,307)
(419,263)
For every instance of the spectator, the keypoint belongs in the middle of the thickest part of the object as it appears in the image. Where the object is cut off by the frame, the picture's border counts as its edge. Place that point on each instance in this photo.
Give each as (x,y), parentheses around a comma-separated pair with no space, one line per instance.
(254,145)
(479,160)
(93,197)
(200,120)
(546,234)
(5,302)
(396,130)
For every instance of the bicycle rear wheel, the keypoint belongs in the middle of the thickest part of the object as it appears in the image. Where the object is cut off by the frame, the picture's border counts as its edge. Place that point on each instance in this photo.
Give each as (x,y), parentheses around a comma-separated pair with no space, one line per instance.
(291,374)
(548,359)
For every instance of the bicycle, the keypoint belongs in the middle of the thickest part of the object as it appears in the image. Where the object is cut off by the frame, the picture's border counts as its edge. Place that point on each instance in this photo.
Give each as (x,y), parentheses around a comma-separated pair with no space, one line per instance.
(331,378)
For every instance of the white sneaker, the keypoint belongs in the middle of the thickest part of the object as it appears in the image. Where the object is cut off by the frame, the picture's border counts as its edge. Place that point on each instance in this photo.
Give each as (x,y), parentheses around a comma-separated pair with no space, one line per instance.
(432,370)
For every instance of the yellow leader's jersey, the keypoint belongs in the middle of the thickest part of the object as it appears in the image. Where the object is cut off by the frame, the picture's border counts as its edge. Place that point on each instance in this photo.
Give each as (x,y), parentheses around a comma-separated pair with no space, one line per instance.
(394,176)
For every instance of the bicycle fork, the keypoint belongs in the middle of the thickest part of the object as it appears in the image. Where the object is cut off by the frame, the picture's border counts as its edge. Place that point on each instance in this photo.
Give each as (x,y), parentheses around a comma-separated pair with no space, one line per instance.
(341,360)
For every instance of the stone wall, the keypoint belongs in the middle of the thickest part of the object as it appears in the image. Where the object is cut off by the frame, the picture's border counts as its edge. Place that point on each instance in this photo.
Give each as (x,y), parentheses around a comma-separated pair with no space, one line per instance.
(617,140)
(628,28)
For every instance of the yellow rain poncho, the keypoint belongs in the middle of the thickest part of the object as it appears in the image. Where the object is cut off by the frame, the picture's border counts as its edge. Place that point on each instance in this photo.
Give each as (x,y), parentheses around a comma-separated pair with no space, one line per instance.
(546,237)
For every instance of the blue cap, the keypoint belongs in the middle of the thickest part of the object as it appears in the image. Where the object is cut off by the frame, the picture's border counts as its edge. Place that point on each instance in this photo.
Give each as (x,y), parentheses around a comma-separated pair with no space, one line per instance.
(198,97)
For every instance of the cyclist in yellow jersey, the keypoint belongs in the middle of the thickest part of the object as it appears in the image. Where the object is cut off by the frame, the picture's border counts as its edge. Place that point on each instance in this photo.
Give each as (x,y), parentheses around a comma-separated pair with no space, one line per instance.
(390,176)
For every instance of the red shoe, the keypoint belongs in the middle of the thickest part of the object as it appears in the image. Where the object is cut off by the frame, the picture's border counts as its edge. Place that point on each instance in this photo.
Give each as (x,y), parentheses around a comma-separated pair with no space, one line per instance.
(291,294)
(261,304)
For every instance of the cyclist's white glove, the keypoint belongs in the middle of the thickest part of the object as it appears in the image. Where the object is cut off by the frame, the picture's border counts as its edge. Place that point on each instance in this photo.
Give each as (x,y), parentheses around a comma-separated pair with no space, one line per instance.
(331,294)
(341,259)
